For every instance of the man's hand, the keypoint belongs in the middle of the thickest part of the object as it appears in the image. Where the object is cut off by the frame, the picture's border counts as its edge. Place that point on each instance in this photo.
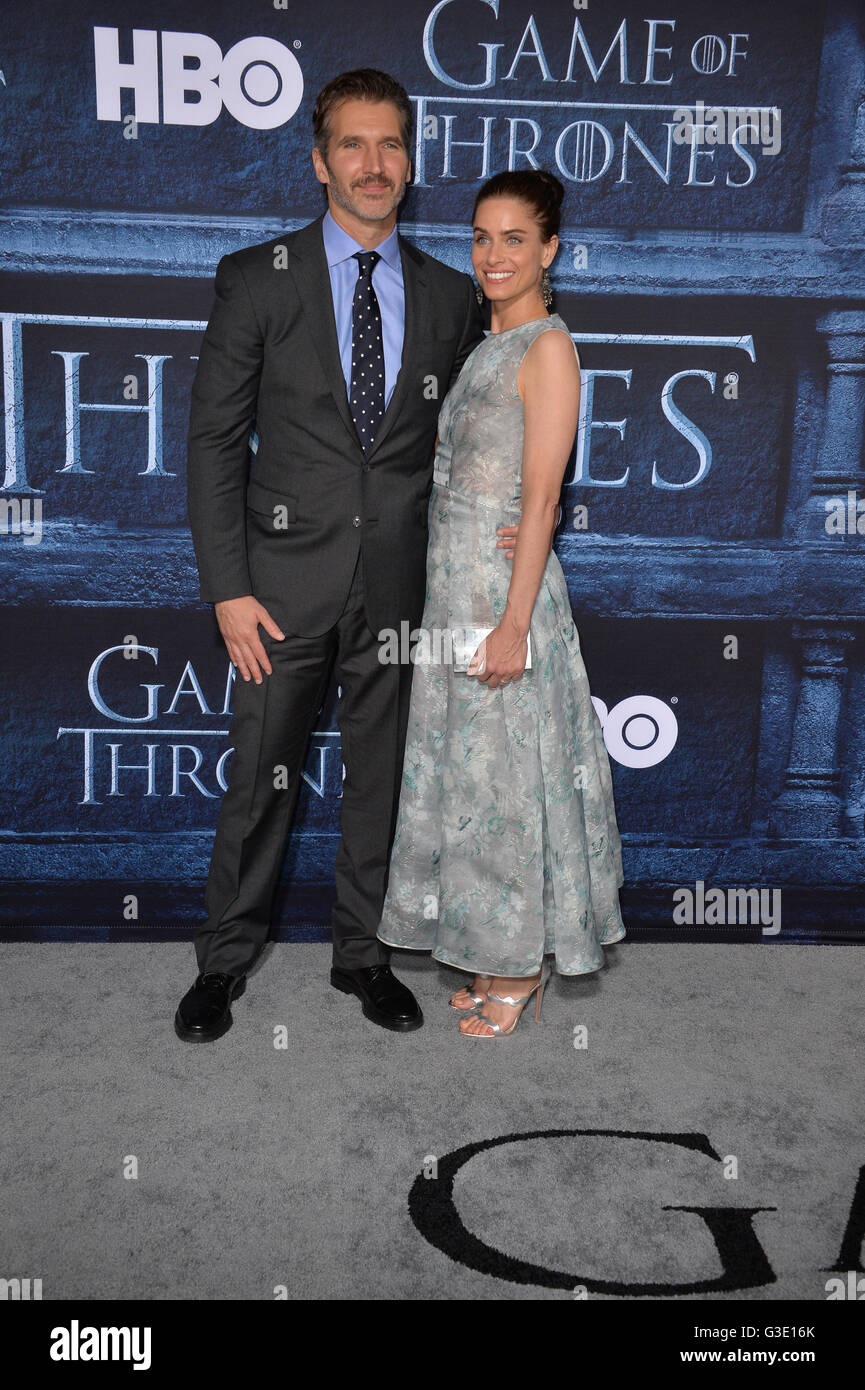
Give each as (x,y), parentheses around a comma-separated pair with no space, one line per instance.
(508,537)
(239,620)
(507,540)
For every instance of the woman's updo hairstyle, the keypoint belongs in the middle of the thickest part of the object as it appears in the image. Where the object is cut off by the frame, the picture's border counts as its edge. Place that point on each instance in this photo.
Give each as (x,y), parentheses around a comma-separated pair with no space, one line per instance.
(541,190)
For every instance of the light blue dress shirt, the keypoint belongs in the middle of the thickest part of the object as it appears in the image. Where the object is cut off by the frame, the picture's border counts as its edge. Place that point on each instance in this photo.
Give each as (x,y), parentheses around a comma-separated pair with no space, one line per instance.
(339,249)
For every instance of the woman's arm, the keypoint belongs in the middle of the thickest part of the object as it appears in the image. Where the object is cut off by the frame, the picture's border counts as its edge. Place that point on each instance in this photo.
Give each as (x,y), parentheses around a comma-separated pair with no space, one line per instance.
(549,383)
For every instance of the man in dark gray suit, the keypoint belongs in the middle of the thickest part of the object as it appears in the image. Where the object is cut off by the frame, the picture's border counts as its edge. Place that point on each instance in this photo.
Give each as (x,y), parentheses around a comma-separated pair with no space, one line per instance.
(339,341)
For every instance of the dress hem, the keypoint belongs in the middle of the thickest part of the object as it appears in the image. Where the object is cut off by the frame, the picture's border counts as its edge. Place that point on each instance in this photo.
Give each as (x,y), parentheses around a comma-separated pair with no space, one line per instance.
(475,970)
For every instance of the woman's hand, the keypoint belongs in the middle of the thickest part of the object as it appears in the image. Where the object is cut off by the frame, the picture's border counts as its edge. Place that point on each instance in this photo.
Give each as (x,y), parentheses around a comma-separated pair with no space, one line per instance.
(500,658)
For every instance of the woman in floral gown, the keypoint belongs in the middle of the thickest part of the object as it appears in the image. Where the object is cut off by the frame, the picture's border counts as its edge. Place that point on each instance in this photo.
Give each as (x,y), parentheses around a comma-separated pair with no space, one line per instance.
(506,846)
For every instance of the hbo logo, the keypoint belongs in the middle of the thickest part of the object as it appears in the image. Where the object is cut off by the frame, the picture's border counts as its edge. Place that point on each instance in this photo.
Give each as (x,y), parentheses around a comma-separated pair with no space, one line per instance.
(259,80)
(639,731)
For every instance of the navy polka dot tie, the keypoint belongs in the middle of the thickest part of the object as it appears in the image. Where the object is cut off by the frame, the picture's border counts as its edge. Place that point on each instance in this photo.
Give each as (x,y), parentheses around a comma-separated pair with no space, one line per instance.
(367,353)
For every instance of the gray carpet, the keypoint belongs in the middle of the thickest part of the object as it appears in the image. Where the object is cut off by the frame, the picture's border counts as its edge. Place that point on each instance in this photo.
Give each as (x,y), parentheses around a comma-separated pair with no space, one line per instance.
(261,1167)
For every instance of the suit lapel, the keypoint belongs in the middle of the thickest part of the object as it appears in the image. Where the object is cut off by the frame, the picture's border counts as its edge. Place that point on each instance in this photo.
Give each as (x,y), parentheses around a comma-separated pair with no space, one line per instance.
(316,296)
(314,292)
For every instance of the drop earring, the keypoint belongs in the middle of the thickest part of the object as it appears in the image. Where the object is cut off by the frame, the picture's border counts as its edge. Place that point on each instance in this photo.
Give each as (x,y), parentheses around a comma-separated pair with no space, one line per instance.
(546,288)
(479,293)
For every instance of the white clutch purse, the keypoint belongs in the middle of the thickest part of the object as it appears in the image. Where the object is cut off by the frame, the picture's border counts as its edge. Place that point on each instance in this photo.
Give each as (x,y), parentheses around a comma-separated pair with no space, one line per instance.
(466,641)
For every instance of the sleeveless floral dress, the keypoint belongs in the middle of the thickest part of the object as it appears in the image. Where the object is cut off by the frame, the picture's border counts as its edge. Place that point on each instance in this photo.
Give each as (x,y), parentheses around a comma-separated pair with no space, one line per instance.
(506,844)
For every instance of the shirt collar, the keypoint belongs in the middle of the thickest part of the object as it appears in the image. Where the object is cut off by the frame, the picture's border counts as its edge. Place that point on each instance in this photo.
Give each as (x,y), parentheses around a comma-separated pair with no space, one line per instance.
(339,246)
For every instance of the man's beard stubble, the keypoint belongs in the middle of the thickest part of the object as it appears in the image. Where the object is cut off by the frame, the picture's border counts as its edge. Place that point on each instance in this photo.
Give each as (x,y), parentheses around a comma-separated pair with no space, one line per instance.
(342,196)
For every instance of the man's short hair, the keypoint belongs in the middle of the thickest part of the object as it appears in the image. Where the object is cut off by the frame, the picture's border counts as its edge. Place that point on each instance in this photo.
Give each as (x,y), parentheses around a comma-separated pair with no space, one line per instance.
(361,84)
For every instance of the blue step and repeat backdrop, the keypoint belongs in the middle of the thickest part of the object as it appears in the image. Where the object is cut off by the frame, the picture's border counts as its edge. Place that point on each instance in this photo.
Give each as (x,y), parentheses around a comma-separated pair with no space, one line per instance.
(712,272)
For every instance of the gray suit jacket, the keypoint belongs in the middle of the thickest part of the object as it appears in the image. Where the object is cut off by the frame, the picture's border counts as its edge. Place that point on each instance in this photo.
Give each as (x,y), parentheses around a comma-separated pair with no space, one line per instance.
(289,531)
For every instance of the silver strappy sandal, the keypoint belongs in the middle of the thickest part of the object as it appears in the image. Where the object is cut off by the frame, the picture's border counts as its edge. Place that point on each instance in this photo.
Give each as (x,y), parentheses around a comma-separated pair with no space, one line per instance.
(497,1030)
(478,998)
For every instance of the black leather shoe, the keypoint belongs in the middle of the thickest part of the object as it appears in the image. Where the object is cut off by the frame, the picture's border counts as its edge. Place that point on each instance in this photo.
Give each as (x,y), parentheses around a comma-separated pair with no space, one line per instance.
(204,1013)
(385,999)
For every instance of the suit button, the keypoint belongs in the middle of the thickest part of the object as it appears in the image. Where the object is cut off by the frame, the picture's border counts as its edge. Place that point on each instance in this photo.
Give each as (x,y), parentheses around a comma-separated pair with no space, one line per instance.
(366,467)
(355,521)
